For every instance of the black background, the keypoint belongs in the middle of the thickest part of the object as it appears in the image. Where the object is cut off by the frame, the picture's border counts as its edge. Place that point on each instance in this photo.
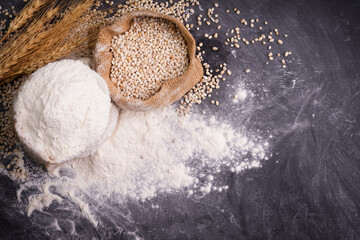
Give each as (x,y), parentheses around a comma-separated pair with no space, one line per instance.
(308,189)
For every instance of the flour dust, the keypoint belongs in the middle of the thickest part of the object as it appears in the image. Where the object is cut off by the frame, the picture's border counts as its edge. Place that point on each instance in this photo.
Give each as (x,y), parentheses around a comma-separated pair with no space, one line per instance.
(151,153)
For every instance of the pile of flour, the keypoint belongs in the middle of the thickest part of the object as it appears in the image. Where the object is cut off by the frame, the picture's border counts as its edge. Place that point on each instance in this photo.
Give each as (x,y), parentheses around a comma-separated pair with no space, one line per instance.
(151,153)
(62,111)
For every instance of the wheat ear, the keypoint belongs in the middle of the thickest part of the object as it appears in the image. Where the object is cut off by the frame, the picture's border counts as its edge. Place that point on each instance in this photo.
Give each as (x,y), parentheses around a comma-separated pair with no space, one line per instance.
(24,16)
(31,49)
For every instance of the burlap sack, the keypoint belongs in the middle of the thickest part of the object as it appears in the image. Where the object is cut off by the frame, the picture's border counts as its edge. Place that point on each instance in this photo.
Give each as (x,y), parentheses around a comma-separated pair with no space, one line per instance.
(171,90)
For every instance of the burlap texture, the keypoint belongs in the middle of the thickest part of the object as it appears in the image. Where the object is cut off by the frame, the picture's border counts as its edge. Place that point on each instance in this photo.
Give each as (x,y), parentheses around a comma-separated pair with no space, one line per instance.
(171,89)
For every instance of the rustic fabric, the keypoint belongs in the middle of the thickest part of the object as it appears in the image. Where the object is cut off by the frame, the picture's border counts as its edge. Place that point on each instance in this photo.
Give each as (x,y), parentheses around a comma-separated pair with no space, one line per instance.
(171,90)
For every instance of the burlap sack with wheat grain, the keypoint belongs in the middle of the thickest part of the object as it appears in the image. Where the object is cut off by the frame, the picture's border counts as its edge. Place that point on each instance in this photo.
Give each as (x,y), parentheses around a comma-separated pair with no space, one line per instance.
(171,89)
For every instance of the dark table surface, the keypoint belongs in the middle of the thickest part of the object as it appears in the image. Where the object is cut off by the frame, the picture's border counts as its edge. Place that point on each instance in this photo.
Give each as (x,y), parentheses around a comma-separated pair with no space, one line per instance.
(308,189)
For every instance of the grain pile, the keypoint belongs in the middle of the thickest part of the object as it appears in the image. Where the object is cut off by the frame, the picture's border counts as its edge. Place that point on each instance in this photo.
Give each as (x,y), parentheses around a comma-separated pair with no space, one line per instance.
(10,152)
(150,52)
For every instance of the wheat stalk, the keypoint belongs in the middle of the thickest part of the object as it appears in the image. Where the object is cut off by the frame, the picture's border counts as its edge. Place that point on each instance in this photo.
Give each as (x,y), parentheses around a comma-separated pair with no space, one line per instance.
(41,42)
(58,53)
(24,16)
(17,48)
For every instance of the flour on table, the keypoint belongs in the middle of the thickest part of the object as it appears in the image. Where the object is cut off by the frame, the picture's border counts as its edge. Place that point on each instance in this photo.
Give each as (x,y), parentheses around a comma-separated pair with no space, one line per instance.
(151,153)
(240,95)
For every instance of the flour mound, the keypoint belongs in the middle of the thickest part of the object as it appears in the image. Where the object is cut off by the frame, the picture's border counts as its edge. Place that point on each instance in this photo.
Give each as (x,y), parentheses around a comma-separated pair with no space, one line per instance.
(158,151)
(62,111)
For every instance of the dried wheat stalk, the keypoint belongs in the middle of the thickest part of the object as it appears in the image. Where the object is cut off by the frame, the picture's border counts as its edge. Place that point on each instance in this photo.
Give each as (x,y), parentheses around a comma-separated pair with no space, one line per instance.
(41,42)
(24,16)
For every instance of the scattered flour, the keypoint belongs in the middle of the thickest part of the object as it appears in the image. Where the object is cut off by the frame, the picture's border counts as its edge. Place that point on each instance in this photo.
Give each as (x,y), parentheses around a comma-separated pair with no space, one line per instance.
(233,52)
(240,95)
(151,153)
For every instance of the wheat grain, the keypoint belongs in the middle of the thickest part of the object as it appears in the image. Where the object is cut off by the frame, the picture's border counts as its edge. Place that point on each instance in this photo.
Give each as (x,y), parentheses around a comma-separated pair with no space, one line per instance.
(149,53)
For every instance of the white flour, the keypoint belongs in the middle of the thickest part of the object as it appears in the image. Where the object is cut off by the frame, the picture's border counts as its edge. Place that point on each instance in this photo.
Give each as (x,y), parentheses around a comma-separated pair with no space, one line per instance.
(62,111)
(240,95)
(151,153)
